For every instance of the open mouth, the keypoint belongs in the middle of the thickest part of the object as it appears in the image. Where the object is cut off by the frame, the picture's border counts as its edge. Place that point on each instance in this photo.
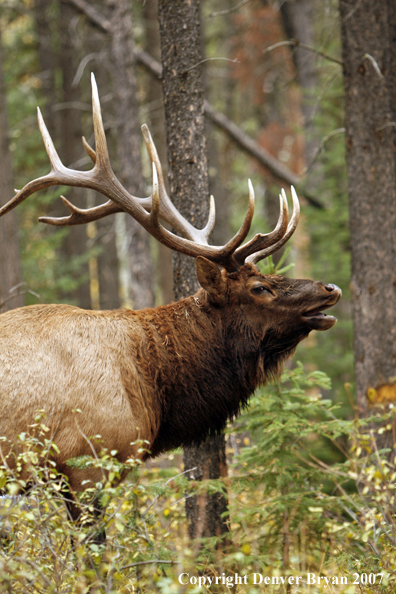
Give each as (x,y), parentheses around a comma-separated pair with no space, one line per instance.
(315,314)
(317,320)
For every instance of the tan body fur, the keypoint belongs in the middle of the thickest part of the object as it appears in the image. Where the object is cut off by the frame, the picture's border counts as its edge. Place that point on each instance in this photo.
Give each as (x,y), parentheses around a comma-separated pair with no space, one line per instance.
(71,361)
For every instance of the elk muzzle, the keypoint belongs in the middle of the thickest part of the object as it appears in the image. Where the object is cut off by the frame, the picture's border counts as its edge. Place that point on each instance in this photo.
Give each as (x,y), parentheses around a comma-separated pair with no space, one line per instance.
(314,317)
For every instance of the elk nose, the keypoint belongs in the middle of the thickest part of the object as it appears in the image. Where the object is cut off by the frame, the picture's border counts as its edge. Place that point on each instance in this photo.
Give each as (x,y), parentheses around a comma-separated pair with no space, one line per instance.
(331,287)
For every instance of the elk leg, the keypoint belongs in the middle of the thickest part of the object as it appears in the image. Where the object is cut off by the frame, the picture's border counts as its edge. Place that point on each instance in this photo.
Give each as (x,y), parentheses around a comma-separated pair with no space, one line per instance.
(74,513)
(100,536)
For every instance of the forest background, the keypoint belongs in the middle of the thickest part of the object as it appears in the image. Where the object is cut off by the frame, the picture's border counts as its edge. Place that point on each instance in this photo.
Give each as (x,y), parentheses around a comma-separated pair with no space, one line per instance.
(273,78)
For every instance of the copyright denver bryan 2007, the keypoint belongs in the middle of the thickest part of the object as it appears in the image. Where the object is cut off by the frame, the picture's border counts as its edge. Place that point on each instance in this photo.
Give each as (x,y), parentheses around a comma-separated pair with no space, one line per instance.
(298,580)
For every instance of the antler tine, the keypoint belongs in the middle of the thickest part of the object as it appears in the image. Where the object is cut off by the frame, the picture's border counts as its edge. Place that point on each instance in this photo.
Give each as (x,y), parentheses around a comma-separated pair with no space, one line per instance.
(167,209)
(156,209)
(155,204)
(56,163)
(153,154)
(230,248)
(207,230)
(89,150)
(81,216)
(53,178)
(21,195)
(101,153)
(264,253)
(262,241)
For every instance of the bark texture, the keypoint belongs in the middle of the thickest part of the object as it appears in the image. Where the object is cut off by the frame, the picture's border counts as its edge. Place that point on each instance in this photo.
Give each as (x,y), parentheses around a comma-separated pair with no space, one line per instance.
(185,123)
(156,121)
(75,244)
(369,43)
(103,231)
(129,141)
(297,18)
(207,515)
(10,273)
(189,188)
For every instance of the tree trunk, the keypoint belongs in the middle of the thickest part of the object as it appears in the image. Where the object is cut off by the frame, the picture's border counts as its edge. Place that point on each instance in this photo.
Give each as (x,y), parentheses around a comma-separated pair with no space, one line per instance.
(75,244)
(297,18)
(189,187)
(218,169)
(47,62)
(65,128)
(10,272)
(369,43)
(156,121)
(129,141)
(106,263)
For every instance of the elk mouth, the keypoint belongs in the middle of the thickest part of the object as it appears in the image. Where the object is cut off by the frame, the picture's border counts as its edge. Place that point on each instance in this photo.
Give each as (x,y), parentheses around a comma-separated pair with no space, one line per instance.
(317,320)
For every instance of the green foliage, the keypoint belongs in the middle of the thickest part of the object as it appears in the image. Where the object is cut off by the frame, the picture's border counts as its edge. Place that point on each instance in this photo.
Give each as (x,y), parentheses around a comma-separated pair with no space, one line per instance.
(44,272)
(285,420)
(42,549)
(268,266)
(294,507)
(292,512)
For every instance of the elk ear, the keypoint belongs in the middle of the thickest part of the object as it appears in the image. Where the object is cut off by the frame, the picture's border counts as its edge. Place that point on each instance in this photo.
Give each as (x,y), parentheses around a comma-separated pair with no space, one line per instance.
(210,277)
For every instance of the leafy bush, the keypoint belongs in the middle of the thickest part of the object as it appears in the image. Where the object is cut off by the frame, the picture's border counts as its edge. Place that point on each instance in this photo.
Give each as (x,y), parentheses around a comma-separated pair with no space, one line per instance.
(43,550)
(310,493)
(314,492)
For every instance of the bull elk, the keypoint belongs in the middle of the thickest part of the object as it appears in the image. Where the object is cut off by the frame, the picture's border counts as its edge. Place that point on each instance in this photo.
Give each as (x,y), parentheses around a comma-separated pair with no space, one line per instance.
(170,375)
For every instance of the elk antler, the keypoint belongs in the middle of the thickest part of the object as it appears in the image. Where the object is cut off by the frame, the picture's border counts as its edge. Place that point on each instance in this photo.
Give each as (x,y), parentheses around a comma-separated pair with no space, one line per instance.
(148,211)
(261,246)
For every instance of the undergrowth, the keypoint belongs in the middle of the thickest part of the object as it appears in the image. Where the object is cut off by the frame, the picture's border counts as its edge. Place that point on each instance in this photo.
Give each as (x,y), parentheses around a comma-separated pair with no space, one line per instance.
(311,494)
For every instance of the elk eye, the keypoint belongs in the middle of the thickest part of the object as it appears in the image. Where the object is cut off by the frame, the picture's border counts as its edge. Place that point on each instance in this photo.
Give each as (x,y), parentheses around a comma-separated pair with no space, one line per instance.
(260,289)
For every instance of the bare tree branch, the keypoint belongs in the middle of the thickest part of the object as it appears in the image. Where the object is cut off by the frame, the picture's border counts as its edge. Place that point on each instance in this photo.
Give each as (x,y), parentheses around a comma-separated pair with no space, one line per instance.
(17,291)
(308,48)
(321,147)
(245,142)
(149,62)
(230,10)
(94,16)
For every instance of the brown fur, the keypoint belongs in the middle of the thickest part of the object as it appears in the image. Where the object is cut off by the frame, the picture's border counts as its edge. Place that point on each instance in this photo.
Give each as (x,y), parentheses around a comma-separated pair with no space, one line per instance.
(169,375)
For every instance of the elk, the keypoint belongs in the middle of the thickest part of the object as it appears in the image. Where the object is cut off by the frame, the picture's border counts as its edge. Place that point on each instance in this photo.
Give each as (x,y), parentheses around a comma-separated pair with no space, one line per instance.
(170,375)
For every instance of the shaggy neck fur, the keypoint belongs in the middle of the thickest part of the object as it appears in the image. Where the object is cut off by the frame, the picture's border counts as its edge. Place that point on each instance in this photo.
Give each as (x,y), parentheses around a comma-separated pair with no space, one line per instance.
(203,368)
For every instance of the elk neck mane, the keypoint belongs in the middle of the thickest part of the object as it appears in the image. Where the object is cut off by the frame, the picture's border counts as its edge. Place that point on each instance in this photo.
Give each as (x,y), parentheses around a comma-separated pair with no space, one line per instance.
(203,366)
